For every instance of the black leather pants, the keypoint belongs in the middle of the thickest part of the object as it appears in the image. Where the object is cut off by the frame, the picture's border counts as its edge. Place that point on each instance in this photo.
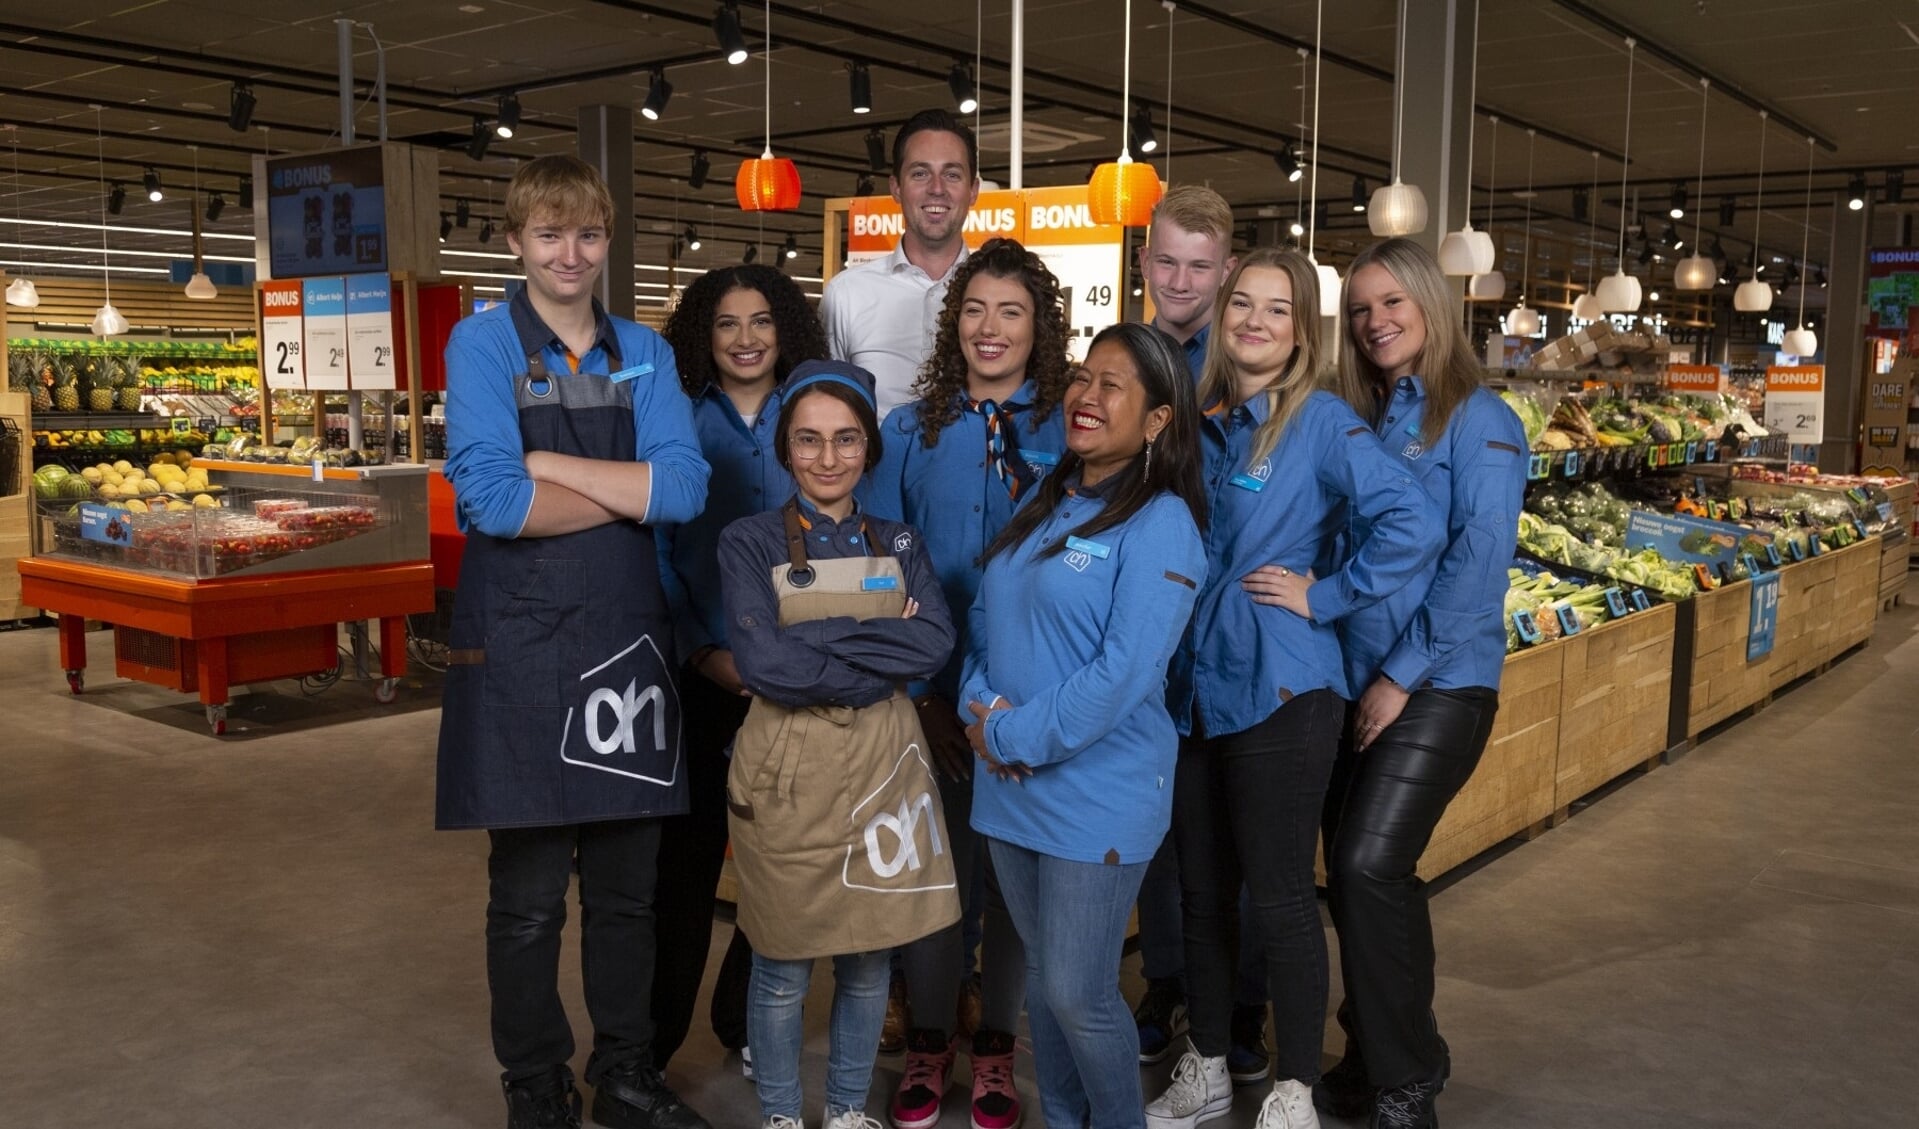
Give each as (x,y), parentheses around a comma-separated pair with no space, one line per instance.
(1381,809)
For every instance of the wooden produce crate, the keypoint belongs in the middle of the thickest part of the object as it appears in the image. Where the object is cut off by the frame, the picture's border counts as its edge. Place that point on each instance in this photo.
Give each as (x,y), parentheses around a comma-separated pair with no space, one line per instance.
(1511,792)
(1893,567)
(1615,694)
(16,509)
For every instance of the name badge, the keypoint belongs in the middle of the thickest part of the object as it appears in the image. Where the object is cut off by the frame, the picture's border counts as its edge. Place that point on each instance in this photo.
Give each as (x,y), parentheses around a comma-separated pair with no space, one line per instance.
(1046,459)
(1090,548)
(1247,482)
(879,583)
(626,374)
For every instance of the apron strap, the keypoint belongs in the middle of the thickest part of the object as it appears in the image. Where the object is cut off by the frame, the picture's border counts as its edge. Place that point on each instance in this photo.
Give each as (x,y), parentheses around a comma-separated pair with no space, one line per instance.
(798,574)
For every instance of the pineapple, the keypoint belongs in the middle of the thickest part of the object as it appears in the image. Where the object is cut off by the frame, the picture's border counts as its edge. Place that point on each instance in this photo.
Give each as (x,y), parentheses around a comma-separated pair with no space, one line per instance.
(96,376)
(19,371)
(129,382)
(66,387)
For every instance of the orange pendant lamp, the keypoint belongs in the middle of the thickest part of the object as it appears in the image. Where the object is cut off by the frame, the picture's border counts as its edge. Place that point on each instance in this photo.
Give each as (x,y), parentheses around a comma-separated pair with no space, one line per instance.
(768,183)
(1125,191)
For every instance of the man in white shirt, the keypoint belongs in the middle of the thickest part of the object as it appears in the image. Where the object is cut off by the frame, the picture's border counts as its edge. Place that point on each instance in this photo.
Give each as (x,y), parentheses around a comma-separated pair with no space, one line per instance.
(880,314)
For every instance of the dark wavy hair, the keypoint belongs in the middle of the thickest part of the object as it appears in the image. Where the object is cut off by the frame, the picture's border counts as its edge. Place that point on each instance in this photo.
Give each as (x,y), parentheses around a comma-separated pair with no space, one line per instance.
(942,382)
(690,327)
(1176,456)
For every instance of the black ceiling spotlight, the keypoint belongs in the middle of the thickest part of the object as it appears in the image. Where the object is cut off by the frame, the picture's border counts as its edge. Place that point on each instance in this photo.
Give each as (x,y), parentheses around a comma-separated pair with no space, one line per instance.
(486,230)
(509,117)
(1717,251)
(1856,191)
(1670,237)
(1288,162)
(861,81)
(1820,278)
(246,193)
(658,93)
(1142,129)
(1678,209)
(751,254)
(876,150)
(959,80)
(240,103)
(1728,210)
(462,212)
(692,238)
(1296,228)
(1895,186)
(1792,275)
(446,226)
(696,178)
(679,248)
(482,137)
(117,198)
(1582,204)
(864,185)
(151,181)
(216,204)
(726,29)
(792,247)
(1645,253)
(1359,194)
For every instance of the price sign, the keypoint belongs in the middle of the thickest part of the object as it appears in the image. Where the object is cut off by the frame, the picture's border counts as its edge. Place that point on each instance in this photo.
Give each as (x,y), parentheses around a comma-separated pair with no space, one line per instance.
(369,332)
(1796,402)
(282,335)
(1087,258)
(325,301)
(1695,378)
(1762,617)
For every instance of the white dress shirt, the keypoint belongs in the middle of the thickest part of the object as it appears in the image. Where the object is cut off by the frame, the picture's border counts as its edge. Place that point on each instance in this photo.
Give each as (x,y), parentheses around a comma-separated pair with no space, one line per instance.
(881,315)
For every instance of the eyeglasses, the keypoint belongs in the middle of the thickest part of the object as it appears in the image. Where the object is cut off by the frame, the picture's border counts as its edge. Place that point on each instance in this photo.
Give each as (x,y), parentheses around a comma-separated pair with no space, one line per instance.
(808,447)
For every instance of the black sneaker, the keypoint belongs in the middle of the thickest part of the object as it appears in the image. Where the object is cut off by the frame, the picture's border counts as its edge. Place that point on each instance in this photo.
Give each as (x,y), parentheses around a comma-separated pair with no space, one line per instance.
(1161,1017)
(1344,1091)
(543,1103)
(1411,1106)
(637,1097)
(1247,1060)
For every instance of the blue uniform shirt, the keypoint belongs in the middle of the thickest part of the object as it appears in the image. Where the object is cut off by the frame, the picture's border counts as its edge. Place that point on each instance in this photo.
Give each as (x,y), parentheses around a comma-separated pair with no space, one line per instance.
(486,460)
(747,479)
(1195,350)
(1444,629)
(1077,644)
(1243,660)
(950,494)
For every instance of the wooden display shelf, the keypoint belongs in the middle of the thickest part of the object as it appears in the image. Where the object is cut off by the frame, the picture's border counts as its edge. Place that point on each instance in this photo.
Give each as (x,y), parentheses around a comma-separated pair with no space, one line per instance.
(1894,564)
(1615,695)
(16,510)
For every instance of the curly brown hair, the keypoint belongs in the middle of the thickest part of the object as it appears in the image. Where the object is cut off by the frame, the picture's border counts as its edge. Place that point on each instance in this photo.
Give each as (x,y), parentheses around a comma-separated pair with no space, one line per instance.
(942,381)
(689,330)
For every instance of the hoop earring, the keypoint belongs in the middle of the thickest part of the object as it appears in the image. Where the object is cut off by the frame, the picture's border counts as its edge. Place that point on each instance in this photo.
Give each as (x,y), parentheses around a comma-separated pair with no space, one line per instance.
(1148,472)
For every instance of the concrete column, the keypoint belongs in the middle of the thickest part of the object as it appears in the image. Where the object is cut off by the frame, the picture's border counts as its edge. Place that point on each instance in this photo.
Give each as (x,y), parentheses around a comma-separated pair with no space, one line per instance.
(1843,334)
(606,143)
(1435,81)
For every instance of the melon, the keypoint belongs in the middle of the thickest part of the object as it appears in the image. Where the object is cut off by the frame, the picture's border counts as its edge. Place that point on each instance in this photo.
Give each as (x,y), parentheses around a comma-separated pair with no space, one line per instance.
(75,487)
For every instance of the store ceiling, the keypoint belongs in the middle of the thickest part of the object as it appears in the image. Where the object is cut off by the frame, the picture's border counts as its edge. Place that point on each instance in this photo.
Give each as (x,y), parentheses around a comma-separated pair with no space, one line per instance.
(1847,70)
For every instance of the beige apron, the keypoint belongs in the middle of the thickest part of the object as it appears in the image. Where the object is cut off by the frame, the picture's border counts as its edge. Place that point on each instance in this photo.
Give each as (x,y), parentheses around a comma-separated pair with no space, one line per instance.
(838,838)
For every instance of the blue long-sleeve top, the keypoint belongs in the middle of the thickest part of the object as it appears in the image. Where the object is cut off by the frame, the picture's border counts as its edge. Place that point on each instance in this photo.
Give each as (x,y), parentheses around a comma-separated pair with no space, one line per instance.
(747,479)
(1077,644)
(839,661)
(950,494)
(486,460)
(1444,628)
(1243,660)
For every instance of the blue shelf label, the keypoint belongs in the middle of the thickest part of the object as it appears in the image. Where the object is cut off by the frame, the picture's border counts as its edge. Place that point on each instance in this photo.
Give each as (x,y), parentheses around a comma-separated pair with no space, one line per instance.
(1752,565)
(1797,550)
(1762,621)
(1568,622)
(1815,543)
(1641,601)
(1712,450)
(1772,554)
(1572,463)
(1885,511)
(1692,452)
(1860,528)
(1616,603)
(1523,623)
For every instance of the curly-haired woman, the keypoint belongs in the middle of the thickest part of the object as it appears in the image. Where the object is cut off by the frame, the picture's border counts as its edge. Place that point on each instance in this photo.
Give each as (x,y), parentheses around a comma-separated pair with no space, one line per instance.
(737,334)
(959,460)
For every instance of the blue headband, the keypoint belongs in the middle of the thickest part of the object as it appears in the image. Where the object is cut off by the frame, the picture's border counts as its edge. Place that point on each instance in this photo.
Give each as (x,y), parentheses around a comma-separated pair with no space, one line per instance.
(794,388)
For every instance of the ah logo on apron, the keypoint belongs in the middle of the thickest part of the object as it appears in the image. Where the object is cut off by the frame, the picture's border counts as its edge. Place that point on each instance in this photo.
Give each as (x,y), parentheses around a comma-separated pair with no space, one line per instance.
(903,826)
(612,720)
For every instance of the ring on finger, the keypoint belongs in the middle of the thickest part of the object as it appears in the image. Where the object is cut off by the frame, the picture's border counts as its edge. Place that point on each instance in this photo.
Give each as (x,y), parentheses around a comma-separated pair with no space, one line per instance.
(1284,571)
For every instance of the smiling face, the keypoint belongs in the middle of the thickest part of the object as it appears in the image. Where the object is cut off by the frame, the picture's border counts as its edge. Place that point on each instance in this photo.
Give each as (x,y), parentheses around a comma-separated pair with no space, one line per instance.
(828,477)
(1183,270)
(1107,420)
(1257,324)
(562,260)
(935,188)
(1385,321)
(995,333)
(746,346)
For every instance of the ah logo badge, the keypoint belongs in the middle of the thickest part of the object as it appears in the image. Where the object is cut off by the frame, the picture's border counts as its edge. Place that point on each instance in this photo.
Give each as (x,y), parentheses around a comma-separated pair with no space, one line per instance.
(1263,471)
(1078,560)
(895,849)
(1412,450)
(903,542)
(628,718)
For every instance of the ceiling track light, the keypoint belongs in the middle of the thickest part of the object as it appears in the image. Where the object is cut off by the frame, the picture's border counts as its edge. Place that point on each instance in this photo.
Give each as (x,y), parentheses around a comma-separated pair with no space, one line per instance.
(462,212)
(1678,209)
(726,30)
(696,177)
(245,193)
(150,180)
(117,198)
(864,185)
(1141,129)
(1359,194)
(509,115)
(1582,204)
(486,230)
(965,90)
(860,82)
(692,238)
(446,226)
(216,204)
(792,246)
(751,254)
(658,93)
(1856,191)
(1895,186)
(876,150)
(1728,210)
(482,137)
(1288,162)
(240,103)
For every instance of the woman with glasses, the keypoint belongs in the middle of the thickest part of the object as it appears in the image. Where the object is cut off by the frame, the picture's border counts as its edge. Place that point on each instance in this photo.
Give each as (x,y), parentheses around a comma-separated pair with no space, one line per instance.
(834,812)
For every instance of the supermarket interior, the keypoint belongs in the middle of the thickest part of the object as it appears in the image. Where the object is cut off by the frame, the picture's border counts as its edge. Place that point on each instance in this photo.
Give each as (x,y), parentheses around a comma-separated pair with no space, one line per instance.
(1680,889)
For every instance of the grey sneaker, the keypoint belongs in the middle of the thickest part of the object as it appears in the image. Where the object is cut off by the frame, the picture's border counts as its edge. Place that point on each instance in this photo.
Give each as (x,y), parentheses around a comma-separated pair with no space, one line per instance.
(1201,1090)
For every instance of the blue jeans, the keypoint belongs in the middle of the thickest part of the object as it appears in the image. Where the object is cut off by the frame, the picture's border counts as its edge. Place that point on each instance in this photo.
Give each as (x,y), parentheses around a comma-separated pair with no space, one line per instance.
(775,1029)
(1072,916)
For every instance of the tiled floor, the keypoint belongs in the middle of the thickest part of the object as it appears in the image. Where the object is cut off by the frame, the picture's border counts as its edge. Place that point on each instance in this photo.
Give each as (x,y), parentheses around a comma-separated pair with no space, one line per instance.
(265,931)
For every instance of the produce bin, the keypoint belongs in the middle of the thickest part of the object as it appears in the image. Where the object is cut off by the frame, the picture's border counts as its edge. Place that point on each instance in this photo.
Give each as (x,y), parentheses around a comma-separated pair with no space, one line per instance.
(1615,694)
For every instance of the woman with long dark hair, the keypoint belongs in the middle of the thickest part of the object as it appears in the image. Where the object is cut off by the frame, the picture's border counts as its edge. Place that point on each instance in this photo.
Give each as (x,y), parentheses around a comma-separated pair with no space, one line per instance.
(1084,598)
(959,459)
(736,335)
(1259,690)
(1425,663)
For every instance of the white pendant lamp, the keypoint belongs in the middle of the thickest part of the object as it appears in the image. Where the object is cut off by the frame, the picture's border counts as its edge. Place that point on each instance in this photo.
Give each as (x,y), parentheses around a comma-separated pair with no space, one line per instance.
(106,320)
(1696,271)
(1619,293)
(1586,306)
(1753,296)
(199,287)
(21,292)
(1523,320)
(1489,285)
(1328,277)
(1802,342)
(1396,208)
(1468,252)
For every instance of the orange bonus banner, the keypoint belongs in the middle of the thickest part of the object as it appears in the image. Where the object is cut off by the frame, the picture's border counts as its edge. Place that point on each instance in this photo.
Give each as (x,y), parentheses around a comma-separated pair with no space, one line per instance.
(1796,378)
(1695,378)
(874,223)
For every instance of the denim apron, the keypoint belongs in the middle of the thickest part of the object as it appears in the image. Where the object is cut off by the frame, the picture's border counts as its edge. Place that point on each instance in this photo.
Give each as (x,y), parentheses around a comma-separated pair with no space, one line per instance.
(560,705)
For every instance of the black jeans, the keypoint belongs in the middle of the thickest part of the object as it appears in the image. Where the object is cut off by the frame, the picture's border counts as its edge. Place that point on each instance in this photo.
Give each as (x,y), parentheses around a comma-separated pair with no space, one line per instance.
(692,852)
(529,869)
(1380,814)
(1246,808)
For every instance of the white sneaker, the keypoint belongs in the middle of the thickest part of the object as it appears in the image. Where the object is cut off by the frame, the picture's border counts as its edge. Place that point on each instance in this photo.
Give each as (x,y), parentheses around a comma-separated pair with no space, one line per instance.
(1289,1106)
(853,1119)
(746,1067)
(1201,1091)
(781,1121)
